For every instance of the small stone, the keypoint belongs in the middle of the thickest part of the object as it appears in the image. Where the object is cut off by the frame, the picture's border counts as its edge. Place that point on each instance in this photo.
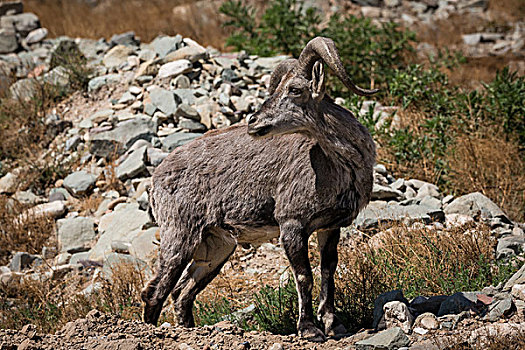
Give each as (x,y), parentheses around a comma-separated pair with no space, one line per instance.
(428,190)
(79,183)
(499,309)
(36,36)
(147,55)
(381,300)
(127,98)
(385,193)
(396,314)
(276,346)
(163,45)
(181,82)
(174,68)
(371,11)
(427,321)
(191,125)
(8,183)
(117,56)
(187,112)
(120,247)
(135,90)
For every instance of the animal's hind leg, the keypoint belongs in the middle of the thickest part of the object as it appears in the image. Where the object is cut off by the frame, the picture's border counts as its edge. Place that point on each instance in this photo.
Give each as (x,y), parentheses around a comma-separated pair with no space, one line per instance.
(209,258)
(176,251)
(328,240)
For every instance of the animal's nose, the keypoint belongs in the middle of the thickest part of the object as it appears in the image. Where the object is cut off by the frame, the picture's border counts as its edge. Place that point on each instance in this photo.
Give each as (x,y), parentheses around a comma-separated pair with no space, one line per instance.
(251,119)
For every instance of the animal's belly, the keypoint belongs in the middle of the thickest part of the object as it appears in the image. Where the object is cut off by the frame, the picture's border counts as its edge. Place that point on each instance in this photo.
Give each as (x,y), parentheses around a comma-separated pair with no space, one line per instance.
(256,235)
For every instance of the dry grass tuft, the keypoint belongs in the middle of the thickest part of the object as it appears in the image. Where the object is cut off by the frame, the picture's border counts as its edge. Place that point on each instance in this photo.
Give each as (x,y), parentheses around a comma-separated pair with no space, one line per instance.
(50,303)
(488,163)
(419,261)
(197,19)
(21,235)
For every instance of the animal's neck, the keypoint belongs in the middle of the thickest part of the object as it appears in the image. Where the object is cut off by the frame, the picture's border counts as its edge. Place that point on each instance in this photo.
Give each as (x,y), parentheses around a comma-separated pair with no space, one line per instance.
(342,138)
(349,147)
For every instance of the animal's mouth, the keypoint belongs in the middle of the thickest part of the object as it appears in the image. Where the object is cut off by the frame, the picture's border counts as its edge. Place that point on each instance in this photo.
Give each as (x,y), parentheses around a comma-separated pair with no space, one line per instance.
(261,131)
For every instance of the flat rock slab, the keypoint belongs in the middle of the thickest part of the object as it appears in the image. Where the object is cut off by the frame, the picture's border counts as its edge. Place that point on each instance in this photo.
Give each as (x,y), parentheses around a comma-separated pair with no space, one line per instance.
(123,224)
(134,165)
(390,339)
(122,137)
(474,204)
(75,234)
(380,212)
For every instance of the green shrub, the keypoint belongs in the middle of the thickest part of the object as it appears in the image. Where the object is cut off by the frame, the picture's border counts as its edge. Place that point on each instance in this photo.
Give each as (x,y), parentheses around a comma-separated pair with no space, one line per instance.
(285,27)
(276,309)
(212,312)
(368,51)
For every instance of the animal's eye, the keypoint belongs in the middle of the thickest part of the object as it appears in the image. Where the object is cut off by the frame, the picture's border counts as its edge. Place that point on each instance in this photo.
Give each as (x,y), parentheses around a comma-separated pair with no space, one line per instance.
(295,91)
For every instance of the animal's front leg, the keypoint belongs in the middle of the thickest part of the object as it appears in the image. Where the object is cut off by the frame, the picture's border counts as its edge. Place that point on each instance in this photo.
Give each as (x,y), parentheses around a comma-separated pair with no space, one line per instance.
(295,243)
(328,248)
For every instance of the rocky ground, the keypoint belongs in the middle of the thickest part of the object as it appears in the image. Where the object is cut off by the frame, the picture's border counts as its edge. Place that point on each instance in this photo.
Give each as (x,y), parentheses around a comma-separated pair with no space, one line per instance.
(146,99)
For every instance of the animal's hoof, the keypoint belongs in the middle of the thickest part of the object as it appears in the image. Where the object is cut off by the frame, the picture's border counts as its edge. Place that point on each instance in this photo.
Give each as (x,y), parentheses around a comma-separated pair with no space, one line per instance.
(336,330)
(312,333)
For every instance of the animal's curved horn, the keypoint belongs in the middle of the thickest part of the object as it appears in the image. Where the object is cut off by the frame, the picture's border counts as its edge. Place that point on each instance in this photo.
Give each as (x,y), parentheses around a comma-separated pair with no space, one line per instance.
(324,48)
(278,73)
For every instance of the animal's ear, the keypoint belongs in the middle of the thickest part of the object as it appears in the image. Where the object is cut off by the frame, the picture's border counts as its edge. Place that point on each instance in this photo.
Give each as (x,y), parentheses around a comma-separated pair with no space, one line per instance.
(317,83)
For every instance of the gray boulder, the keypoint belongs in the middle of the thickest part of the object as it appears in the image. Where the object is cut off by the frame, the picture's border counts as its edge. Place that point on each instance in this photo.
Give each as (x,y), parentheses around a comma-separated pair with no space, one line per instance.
(164,100)
(390,339)
(117,56)
(123,224)
(134,165)
(177,139)
(80,182)
(75,234)
(22,22)
(8,41)
(500,308)
(117,141)
(377,212)
(475,204)
(163,45)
